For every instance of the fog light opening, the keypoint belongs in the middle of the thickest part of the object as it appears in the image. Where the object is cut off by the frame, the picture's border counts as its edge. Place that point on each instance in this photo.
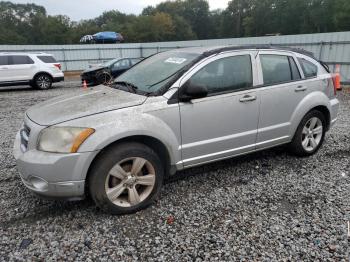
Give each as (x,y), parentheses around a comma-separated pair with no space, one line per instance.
(38,183)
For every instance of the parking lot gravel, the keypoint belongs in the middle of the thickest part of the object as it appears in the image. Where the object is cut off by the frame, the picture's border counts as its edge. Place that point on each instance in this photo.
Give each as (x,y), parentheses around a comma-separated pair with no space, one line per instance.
(267,206)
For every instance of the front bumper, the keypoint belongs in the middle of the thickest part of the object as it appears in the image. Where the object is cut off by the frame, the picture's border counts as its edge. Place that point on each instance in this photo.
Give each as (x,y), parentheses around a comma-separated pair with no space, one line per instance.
(90,81)
(53,175)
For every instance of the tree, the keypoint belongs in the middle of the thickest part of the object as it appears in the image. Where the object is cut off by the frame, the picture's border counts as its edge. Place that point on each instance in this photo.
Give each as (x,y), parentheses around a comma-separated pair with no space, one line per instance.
(177,20)
(341,15)
(157,27)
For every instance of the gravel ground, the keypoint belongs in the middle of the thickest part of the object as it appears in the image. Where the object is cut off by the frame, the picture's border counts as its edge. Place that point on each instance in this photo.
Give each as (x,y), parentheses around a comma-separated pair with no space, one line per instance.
(266,206)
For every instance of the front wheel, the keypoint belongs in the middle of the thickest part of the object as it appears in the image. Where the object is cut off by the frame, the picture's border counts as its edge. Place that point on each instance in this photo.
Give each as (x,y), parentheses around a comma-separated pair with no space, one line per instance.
(104,78)
(310,134)
(126,178)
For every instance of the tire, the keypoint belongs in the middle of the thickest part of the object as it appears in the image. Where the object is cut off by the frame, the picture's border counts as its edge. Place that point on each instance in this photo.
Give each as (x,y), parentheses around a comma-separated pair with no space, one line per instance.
(307,140)
(115,193)
(104,78)
(43,81)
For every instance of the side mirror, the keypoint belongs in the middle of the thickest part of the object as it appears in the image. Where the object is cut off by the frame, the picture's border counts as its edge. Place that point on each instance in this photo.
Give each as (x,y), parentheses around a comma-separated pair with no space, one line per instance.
(192,91)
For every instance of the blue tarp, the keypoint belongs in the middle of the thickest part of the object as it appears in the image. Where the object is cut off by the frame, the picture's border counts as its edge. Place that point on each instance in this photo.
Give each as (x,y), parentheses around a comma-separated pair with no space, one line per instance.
(107,37)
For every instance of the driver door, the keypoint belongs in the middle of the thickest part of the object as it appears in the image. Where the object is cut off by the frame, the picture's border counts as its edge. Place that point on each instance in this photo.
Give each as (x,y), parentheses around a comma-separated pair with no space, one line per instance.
(224,123)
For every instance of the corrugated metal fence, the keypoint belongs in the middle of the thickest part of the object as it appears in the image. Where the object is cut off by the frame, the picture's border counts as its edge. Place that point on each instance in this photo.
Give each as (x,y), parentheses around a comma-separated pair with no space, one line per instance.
(332,48)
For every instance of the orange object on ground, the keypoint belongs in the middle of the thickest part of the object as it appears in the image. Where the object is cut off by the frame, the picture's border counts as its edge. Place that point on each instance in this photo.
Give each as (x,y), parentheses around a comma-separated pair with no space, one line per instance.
(337,77)
(85,85)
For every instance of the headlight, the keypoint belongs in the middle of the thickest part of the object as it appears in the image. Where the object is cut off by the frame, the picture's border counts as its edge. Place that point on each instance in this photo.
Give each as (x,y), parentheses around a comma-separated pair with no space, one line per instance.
(63,139)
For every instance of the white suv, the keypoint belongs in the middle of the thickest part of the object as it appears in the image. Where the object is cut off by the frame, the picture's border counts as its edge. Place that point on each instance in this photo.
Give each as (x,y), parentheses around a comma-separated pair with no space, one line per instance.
(38,70)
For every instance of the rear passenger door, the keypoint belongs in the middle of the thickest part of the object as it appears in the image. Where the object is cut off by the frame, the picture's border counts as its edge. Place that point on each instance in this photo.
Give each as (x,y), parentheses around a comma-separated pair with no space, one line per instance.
(21,68)
(4,69)
(282,89)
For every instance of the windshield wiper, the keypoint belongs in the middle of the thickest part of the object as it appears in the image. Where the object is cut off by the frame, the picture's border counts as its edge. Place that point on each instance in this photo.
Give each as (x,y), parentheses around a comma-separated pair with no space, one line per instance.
(131,87)
(150,86)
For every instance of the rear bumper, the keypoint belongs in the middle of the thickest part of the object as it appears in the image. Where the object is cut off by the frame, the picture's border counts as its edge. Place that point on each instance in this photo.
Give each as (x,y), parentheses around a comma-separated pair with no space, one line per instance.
(334,108)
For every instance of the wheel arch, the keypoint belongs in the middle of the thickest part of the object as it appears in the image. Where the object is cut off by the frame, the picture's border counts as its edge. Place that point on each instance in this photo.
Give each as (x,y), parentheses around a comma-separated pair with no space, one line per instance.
(314,101)
(41,73)
(152,142)
(325,111)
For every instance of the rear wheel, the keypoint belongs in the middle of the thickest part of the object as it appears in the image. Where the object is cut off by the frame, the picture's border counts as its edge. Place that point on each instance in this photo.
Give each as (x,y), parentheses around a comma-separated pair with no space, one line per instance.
(126,178)
(43,81)
(310,134)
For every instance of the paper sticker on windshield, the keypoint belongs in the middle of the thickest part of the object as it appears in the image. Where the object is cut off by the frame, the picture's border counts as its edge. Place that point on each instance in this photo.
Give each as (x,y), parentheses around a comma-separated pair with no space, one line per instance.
(175,60)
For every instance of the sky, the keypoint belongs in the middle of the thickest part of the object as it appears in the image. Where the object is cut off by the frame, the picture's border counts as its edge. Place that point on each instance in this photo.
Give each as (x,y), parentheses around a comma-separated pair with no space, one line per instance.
(85,9)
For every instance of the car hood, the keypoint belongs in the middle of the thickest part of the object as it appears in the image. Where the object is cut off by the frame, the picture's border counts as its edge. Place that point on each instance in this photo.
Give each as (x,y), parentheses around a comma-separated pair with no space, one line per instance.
(84,103)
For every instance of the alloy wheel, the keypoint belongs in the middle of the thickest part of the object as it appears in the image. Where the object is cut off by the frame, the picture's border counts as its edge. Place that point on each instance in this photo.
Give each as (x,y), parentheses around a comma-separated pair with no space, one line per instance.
(312,134)
(130,182)
(105,79)
(43,82)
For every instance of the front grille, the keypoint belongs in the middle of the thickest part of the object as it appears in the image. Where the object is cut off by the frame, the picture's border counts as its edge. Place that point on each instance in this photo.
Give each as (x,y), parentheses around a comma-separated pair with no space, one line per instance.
(25,132)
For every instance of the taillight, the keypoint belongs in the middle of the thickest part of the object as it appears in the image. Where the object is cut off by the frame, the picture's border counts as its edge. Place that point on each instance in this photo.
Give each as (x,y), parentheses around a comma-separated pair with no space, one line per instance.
(58,66)
(336,82)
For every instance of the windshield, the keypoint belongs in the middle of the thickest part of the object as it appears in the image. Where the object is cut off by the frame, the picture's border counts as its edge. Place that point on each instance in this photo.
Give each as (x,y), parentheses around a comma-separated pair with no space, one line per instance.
(153,73)
(109,63)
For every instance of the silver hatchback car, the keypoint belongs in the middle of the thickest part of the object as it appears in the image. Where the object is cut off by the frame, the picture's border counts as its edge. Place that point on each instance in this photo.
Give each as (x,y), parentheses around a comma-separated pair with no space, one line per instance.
(172,111)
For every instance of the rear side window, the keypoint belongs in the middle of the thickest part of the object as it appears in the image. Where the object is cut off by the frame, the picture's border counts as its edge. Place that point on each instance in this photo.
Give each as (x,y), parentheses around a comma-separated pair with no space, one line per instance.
(21,60)
(309,69)
(226,74)
(134,61)
(47,59)
(279,69)
(4,60)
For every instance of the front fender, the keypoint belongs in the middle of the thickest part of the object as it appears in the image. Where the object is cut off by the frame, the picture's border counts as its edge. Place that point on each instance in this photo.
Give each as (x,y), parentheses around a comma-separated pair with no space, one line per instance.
(116,125)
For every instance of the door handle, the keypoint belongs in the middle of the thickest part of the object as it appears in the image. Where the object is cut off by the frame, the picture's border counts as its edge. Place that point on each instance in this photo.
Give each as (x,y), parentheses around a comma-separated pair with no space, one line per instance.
(300,88)
(247,98)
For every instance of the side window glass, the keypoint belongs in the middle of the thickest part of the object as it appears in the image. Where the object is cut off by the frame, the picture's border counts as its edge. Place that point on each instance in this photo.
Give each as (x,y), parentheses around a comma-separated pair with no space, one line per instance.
(134,61)
(275,69)
(121,64)
(21,60)
(295,71)
(226,74)
(116,65)
(309,69)
(4,60)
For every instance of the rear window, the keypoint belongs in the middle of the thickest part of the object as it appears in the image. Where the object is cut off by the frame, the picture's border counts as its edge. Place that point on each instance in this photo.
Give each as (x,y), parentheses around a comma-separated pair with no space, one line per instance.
(21,60)
(309,69)
(47,59)
(4,60)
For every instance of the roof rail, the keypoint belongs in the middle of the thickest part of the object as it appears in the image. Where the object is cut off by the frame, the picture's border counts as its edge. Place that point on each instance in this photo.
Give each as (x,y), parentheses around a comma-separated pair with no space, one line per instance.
(270,47)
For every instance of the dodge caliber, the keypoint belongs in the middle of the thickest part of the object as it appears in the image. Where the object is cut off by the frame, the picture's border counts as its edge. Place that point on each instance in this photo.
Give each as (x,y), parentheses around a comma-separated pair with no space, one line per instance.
(172,111)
